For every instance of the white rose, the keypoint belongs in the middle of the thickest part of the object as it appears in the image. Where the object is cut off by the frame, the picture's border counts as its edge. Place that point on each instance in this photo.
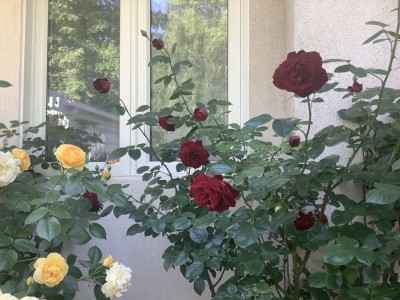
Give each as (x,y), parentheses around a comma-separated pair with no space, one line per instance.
(9,169)
(7,297)
(30,298)
(118,278)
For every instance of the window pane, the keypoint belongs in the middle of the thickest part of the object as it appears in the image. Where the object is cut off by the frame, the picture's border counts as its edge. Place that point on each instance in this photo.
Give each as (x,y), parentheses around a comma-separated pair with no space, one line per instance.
(200,29)
(84,44)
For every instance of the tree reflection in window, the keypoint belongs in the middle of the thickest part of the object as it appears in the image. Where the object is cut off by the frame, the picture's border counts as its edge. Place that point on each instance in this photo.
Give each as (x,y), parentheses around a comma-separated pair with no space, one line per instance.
(83,44)
(200,29)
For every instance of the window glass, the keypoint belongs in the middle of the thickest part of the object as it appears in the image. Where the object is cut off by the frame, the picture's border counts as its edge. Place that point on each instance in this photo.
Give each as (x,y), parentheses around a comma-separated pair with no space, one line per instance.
(200,29)
(83,45)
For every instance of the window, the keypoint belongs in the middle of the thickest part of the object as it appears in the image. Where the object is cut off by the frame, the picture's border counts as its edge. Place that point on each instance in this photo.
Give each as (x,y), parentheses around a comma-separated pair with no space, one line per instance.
(71,43)
(83,45)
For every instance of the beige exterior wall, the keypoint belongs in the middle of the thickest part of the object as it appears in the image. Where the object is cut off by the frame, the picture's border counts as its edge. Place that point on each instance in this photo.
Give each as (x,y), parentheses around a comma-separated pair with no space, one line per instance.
(333,27)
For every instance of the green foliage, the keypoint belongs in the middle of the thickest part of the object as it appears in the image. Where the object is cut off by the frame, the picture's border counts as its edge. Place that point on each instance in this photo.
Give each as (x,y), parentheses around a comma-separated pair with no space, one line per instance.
(41,213)
(256,251)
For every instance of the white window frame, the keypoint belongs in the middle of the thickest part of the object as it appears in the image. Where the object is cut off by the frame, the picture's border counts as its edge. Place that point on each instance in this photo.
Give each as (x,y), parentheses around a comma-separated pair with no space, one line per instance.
(135,15)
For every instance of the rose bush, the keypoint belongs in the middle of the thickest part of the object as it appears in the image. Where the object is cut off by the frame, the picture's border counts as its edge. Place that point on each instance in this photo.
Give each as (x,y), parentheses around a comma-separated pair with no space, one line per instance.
(39,214)
(253,222)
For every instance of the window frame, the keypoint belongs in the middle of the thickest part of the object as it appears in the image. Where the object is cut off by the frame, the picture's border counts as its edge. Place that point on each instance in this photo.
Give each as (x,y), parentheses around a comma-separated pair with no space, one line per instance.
(135,54)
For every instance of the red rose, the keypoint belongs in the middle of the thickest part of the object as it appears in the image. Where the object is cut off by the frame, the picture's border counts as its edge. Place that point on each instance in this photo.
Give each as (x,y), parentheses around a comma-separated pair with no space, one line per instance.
(356,87)
(193,154)
(294,141)
(304,221)
(96,205)
(200,114)
(166,123)
(102,85)
(213,192)
(158,44)
(301,73)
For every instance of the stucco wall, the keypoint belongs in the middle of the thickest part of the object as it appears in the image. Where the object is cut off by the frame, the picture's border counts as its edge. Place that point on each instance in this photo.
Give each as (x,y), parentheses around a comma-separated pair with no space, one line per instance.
(333,27)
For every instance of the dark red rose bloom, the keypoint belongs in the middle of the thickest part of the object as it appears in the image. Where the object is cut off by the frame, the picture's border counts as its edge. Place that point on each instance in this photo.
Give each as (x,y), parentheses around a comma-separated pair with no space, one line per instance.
(166,123)
(213,192)
(193,154)
(200,114)
(356,87)
(96,205)
(304,221)
(294,141)
(102,85)
(158,44)
(301,73)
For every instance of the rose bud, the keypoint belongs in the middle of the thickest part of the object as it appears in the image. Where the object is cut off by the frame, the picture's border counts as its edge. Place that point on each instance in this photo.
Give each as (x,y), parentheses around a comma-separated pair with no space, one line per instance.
(166,123)
(301,73)
(304,221)
(356,87)
(193,154)
(200,114)
(294,141)
(96,205)
(158,44)
(102,85)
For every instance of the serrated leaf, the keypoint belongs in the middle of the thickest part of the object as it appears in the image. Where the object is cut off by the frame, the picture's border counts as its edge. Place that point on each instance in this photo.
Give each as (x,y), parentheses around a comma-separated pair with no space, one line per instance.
(36,215)
(48,228)
(97,231)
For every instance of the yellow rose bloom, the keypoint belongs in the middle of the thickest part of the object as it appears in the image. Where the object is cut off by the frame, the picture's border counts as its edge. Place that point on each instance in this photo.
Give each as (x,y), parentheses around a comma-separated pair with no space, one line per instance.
(71,157)
(23,157)
(105,174)
(108,262)
(51,270)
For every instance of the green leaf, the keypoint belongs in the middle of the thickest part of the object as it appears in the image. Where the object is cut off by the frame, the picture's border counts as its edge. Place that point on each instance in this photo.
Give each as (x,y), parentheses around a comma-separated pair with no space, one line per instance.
(135,229)
(36,215)
(383,194)
(343,69)
(283,127)
(134,153)
(373,37)
(182,223)
(118,153)
(258,121)
(95,255)
(199,286)
(8,259)
(318,280)
(48,228)
(244,234)
(194,270)
(97,231)
(24,246)
(396,165)
(4,84)
(376,23)
(199,235)
(143,108)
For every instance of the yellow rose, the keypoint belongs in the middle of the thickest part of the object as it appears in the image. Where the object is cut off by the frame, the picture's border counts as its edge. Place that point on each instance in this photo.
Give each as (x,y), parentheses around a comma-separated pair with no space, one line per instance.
(108,262)
(23,157)
(50,271)
(71,157)
(105,174)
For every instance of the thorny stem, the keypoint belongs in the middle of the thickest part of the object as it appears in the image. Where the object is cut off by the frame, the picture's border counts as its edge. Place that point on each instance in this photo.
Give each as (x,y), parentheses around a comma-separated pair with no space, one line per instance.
(149,142)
